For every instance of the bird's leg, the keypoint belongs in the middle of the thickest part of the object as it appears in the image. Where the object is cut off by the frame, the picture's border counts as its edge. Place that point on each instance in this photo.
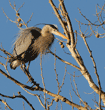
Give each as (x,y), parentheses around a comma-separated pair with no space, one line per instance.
(28,66)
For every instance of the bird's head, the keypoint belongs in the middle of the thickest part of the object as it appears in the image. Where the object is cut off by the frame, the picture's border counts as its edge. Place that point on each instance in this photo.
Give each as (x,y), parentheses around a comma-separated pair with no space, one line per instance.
(54,30)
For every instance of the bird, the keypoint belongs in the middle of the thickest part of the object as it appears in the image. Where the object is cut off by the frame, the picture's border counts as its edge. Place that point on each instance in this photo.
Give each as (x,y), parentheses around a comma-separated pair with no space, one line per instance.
(31,42)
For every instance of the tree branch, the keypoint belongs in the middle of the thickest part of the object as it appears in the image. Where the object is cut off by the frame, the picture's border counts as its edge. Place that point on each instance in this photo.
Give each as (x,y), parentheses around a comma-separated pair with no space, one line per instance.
(59,97)
(76,56)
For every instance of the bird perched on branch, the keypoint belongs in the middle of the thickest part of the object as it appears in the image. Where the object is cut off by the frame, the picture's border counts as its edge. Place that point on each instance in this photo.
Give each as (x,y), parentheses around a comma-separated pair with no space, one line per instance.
(31,42)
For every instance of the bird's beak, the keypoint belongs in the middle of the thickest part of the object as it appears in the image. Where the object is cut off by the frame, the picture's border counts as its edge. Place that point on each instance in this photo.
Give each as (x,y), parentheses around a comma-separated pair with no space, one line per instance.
(60,34)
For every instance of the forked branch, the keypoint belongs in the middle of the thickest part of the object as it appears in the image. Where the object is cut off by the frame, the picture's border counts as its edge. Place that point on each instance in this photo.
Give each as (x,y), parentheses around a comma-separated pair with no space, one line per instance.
(75,54)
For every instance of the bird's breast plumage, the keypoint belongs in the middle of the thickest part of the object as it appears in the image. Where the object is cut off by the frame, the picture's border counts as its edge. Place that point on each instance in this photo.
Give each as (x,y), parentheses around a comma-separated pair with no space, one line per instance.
(43,43)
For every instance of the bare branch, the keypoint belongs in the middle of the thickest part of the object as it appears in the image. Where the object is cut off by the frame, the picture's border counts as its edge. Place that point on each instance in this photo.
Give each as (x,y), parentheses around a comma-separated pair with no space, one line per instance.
(8,17)
(68,22)
(5,52)
(5,103)
(18,18)
(59,17)
(35,95)
(17,82)
(29,19)
(59,97)
(64,61)
(75,54)
(89,20)
(43,81)
(63,78)
(56,73)
(99,83)
(20,6)
(19,96)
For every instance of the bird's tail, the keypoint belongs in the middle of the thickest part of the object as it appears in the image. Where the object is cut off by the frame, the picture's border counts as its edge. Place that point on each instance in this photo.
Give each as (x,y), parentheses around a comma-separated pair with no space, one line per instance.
(14,63)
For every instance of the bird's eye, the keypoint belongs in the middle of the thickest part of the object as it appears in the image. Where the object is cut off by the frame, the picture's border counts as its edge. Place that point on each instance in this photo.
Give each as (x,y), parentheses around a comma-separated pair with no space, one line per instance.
(55,30)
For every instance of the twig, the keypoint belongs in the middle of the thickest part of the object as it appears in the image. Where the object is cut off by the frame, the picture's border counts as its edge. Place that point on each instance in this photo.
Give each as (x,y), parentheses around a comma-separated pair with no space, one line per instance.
(99,83)
(18,96)
(51,103)
(75,75)
(21,96)
(20,6)
(35,95)
(5,103)
(77,93)
(101,23)
(23,106)
(29,19)
(89,20)
(43,80)
(9,18)
(63,79)
(5,67)
(5,52)
(18,18)
(17,82)
(72,38)
(71,100)
(61,106)
(31,79)
(68,63)
(11,5)
(56,73)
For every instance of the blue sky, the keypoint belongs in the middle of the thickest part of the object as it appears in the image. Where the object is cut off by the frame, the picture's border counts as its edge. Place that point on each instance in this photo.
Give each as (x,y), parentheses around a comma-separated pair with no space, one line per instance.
(43,13)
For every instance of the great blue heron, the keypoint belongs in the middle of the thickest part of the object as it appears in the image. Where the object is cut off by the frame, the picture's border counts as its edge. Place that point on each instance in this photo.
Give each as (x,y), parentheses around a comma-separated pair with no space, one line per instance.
(31,42)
